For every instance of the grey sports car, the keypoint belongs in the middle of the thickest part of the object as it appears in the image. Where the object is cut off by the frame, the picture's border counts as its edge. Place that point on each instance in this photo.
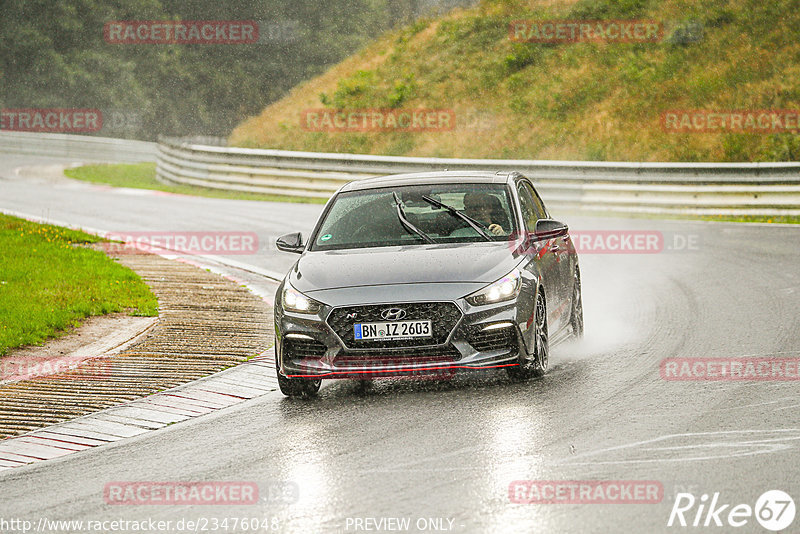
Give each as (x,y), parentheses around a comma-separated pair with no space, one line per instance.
(426,274)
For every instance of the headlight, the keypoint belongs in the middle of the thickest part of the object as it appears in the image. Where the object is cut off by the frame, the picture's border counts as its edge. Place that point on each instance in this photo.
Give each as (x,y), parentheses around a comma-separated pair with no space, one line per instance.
(293,300)
(506,288)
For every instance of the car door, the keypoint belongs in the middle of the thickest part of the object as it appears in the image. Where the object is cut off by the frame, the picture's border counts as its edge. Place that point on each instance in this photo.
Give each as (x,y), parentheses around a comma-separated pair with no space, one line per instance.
(563,251)
(539,251)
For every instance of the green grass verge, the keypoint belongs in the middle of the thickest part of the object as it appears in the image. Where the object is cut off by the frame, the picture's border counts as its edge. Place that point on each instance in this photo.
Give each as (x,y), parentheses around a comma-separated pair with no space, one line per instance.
(143,176)
(49,282)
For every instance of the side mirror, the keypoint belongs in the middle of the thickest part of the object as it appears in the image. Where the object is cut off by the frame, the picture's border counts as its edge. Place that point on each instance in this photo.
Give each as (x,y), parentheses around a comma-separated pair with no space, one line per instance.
(291,243)
(549,228)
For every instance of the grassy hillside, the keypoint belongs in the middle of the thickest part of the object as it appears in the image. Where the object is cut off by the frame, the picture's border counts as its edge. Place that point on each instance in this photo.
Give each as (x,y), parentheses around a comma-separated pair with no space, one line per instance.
(583,101)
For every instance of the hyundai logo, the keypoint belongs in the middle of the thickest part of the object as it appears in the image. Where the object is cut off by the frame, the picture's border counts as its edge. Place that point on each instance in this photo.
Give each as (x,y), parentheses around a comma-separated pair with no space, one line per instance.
(393,314)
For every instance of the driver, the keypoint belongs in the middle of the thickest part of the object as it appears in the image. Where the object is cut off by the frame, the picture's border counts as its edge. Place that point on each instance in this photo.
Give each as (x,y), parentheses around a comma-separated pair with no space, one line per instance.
(486,209)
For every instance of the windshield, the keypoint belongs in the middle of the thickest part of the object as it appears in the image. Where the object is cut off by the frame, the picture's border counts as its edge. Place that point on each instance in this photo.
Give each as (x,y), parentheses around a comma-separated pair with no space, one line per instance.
(371,218)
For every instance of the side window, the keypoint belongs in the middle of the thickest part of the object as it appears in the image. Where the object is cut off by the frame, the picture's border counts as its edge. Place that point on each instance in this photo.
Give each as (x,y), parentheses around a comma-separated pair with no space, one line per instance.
(541,213)
(528,207)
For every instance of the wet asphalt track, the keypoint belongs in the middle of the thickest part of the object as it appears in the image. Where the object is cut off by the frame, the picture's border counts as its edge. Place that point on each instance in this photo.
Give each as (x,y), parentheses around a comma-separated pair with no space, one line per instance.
(449,450)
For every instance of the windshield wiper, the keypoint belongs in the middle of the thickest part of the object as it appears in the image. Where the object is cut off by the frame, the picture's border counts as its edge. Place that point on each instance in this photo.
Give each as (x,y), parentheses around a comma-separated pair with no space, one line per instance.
(478,227)
(401,214)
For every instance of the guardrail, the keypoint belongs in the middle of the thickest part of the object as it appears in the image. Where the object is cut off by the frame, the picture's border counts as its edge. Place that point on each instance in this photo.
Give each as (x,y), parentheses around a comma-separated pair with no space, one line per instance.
(77,147)
(657,188)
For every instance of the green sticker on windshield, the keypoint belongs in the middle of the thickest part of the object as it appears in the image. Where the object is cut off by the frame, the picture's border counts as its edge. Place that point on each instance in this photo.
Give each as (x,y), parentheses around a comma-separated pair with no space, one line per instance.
(325,237)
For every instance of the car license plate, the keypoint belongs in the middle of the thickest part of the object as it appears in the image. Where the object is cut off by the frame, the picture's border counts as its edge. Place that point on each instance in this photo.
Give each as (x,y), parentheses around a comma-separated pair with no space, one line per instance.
(393,330)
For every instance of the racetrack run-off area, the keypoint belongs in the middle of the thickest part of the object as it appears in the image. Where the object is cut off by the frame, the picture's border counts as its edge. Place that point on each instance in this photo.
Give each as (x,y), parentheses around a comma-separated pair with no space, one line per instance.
(206,324)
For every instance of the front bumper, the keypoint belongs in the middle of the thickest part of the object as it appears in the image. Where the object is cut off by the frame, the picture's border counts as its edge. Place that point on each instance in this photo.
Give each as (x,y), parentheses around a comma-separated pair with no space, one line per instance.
(471,338)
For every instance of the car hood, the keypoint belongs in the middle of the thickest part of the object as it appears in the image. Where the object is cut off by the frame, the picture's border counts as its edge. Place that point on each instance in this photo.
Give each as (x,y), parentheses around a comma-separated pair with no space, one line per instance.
(421,264)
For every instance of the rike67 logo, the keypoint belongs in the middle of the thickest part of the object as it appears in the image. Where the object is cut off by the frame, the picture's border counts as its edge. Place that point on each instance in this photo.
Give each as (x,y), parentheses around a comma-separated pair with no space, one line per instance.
(774,510)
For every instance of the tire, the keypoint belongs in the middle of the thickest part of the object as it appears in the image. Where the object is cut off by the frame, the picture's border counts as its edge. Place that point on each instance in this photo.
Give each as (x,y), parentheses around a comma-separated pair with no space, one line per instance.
(537,365)
(576,316)
(296,387)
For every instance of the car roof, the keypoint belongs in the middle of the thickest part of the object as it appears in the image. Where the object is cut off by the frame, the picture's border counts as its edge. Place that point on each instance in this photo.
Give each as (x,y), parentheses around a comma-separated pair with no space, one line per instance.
(438,177)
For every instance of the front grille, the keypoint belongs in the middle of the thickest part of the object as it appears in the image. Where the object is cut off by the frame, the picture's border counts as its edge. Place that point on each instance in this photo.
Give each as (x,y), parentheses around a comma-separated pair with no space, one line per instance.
(411,356)
(497,339)
(443,316)
(303,348)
